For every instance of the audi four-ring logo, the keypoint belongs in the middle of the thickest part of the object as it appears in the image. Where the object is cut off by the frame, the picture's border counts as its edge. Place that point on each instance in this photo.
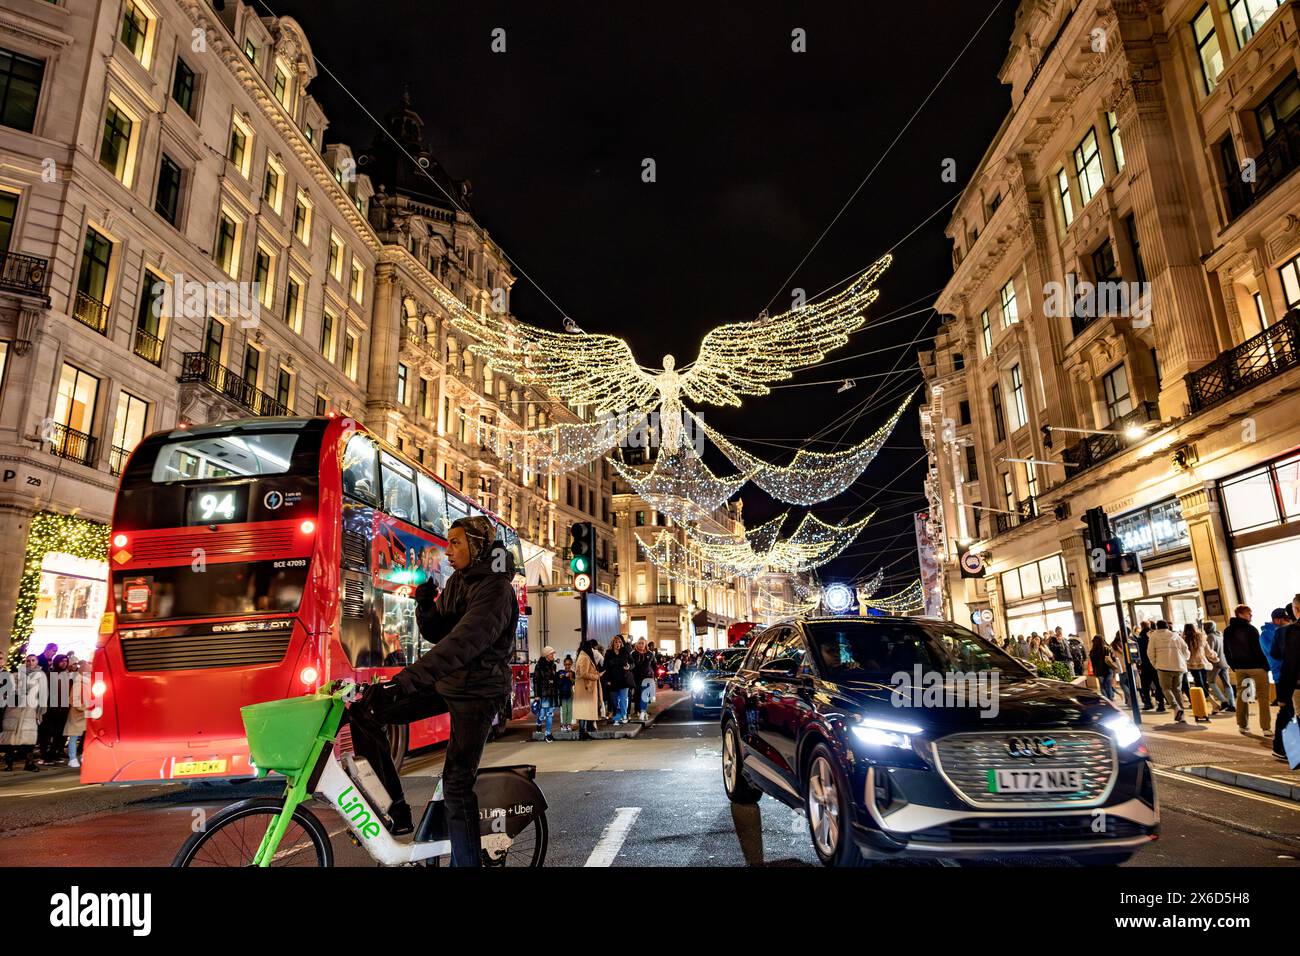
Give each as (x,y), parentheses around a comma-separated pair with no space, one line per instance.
(1031,746)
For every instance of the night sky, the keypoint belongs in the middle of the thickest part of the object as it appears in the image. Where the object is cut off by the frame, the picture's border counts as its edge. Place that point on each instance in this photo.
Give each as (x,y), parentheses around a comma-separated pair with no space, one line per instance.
(756,150)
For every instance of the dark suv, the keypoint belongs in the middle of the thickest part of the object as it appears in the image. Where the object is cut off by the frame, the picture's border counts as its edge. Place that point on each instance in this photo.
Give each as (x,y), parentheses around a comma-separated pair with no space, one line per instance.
(910,736)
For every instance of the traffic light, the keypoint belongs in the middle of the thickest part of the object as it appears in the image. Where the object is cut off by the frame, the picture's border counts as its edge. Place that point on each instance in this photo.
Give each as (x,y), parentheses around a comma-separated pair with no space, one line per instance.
(582,554)
(1098,523)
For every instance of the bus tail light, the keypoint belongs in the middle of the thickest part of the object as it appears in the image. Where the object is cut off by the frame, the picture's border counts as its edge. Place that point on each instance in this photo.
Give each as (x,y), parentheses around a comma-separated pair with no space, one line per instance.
(307,527)
(309,675)
(119,540)
(98,688)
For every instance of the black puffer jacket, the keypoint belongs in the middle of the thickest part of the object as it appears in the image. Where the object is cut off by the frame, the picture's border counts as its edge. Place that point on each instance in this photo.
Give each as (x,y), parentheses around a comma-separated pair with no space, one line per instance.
(1241,646)
(545,686)
(618,666)
(472,627)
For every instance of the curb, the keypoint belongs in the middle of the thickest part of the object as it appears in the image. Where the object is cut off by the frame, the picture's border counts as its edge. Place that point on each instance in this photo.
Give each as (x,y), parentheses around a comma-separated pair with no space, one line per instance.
(1271,786)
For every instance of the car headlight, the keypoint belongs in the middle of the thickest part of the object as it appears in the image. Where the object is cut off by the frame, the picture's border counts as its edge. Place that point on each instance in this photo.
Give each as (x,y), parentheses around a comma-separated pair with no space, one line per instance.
(885,733)
(697,685)
(1122,728)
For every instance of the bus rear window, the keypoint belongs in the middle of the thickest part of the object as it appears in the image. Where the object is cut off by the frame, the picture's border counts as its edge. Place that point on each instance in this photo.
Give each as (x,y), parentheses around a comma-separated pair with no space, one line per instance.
(255,587)
(224,456)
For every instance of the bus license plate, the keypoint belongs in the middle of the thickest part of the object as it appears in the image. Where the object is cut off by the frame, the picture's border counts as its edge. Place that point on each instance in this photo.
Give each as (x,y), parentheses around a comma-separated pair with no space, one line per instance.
(193,768)
(1055,780)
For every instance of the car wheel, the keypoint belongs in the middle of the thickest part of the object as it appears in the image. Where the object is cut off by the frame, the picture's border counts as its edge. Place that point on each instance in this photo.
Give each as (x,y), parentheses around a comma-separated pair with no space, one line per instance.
(739,790)
(829,811)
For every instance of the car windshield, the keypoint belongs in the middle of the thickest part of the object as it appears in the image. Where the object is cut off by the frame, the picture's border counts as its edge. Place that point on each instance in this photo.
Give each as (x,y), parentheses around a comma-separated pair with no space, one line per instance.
(877,650)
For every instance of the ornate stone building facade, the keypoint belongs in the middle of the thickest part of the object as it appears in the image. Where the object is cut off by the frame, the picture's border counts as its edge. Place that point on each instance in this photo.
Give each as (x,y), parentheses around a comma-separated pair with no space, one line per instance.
(1121,327)
(155,153)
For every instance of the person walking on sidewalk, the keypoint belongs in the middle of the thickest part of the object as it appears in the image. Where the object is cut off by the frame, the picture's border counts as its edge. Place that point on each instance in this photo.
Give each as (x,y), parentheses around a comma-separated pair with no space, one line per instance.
(1288,685)
(643,676)
(1220,674)
(564,688)
(545,689)
(1270,641)
(1246,658)
(1200,658)
(1169,658)
(1147,673)
(618,668)
(674,670)
(80,700)
(23,715)
(1102,666)
(587,687)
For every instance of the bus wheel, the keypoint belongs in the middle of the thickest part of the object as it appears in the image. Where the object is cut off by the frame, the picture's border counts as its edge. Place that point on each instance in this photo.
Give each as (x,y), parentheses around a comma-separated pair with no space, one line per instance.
(398,735)
(231,837)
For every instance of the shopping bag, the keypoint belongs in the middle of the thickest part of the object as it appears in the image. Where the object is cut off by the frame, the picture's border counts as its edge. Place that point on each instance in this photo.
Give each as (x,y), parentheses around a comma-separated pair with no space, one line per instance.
(1291,741)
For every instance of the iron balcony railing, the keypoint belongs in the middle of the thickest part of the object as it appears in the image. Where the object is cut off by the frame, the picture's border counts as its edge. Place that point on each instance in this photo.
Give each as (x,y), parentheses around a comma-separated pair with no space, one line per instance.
(1094,449)
(148,346)
(1004,522)
(73,445)
(26,274)
(1270,353)
(117,459)
(199,367)
(89,311)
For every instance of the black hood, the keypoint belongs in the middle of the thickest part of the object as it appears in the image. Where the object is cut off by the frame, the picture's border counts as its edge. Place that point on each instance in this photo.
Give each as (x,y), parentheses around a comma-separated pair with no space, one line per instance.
(1020,703)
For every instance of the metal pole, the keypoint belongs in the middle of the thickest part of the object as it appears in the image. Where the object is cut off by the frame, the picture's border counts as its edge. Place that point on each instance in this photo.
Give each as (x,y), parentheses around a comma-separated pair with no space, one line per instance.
(1131,690)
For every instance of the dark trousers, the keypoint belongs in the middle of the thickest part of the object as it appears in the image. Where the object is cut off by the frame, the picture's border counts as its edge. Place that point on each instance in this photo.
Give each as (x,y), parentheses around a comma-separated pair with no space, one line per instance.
(1285,714)
(470,722)
(1150,682)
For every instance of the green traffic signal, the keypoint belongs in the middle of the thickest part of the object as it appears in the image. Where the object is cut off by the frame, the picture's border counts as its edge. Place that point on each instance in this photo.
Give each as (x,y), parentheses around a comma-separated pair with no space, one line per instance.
(580,564)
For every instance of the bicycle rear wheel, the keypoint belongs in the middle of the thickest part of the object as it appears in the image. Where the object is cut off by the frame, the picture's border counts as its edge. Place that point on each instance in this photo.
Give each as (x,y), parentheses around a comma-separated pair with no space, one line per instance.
(526,848)
(231,838)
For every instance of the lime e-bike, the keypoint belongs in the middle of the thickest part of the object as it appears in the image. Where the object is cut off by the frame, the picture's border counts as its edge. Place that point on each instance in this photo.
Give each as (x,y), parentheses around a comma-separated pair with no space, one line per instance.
(296,738)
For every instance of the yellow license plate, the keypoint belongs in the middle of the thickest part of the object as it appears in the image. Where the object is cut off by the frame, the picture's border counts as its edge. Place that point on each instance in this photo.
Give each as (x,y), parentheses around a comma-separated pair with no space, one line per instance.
(191,768)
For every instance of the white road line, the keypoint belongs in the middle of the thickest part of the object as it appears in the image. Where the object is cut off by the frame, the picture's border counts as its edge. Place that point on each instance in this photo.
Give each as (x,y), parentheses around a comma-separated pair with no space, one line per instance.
(611,841)
(1235,791)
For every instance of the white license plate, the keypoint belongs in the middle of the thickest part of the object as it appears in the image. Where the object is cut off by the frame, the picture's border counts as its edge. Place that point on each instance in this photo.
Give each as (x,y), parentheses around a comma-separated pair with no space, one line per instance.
(1036,780)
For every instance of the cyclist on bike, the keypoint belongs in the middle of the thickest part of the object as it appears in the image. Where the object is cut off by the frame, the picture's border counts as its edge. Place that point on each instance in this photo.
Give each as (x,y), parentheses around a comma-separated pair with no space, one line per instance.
(471,624)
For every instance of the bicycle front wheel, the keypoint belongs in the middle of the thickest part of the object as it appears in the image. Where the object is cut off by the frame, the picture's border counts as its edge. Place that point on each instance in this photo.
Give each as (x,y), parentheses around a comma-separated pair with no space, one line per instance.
(231,838)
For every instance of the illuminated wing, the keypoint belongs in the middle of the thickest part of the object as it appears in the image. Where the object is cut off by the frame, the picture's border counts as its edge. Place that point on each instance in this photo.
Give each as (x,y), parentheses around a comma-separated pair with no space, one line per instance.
(743,357)
(595,370)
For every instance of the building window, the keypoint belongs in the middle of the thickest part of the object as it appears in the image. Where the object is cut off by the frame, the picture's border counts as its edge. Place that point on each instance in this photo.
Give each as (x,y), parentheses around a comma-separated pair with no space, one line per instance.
(425,395)
(1260,312)
(357,283)
(1008,492)
(1290,274)
(302,219)
(252,373)
(986,333)
(281,86)
(8,213)
(1103,263)
(1112,123)
(115,147)
(284,388)
(1155,530)
(214,341)
(1115,385)
(1207,47)
(183,86)
(135,30)
(293,304)
(350,355)
(322,404)
(1087,166)
(972,466)
(148,319)
(1063,193)
(251,50)
(273,185)
(1020,412)
(74,415)
(964,412)
(402,372)
(1249,15)
(238,151)
(1280,105)
(167,201)
(335,264)
(1134,244)
(327,336)
(1010,311)
(20,89)
(999,418)
(1031,479)
(227,250)
(263,275)
(92,282)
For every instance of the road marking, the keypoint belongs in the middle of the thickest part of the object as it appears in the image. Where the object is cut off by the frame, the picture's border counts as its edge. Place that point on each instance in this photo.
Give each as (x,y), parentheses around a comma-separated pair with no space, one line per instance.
(1235,791)
(611,841)
(46,793)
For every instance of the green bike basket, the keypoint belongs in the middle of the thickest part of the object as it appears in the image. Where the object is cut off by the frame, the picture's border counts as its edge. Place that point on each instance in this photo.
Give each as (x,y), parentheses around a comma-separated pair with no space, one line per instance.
(281,732)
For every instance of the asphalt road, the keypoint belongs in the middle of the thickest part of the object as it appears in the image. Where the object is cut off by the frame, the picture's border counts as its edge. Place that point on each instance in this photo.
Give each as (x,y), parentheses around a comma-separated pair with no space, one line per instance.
(655,800)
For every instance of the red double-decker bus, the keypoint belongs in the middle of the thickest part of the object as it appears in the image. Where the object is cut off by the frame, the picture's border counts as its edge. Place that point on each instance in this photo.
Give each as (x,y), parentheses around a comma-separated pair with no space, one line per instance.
(259,559)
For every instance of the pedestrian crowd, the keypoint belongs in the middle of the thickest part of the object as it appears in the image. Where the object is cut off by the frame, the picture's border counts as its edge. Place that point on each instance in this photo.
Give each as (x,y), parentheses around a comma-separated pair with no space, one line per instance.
(43,709)
(1233,668)
(617,683)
